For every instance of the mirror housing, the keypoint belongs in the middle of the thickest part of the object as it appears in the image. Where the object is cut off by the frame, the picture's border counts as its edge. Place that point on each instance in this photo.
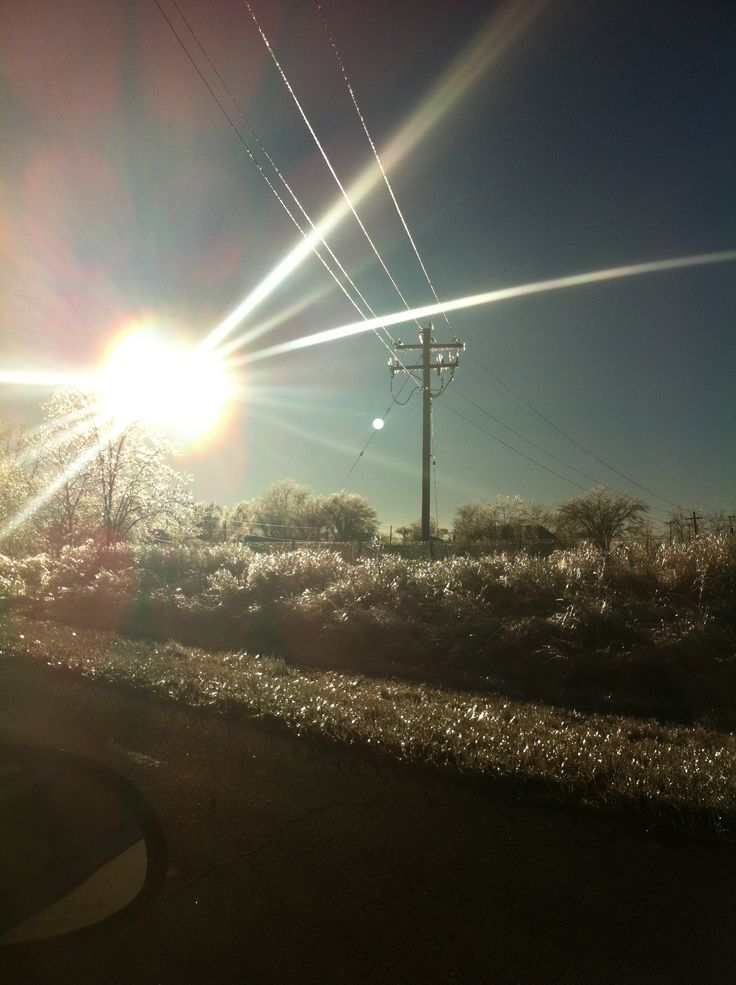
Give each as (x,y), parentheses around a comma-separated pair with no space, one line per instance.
(79,844)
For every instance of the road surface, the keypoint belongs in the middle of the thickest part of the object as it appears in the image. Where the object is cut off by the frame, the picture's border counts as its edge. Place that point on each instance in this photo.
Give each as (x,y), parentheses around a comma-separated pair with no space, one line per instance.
(292,861)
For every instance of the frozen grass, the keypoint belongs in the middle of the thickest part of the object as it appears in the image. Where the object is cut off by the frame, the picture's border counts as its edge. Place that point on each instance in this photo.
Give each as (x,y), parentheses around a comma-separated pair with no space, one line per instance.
(646,631)
(680,777)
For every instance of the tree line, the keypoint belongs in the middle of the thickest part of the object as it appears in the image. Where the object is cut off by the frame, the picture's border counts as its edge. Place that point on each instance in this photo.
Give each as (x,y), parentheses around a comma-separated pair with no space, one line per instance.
(73,479)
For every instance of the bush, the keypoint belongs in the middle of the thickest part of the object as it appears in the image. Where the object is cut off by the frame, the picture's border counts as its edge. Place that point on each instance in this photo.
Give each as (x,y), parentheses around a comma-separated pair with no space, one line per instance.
(12,586)
(578,626)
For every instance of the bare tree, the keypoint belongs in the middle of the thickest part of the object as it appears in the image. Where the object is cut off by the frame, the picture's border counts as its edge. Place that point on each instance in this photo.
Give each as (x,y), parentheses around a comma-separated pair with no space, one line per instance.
(601,517)
(717,522)
(18,487)
(107,481)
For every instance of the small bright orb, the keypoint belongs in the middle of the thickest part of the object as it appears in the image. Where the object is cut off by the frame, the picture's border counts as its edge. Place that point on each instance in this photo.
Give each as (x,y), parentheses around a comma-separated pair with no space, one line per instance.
(177,389)
(378,423)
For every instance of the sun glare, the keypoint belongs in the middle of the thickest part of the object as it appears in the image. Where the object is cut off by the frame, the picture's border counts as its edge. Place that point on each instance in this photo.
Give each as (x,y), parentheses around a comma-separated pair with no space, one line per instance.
(180,390)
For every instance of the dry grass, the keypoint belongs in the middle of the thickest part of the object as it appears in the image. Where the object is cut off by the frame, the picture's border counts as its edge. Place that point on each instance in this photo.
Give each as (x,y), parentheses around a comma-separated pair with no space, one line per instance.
(645,631)
(682,776)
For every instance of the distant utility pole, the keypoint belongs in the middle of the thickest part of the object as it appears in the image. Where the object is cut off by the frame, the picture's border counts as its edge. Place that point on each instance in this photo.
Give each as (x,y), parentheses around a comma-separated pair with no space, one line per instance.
(440,365)
(695,517)
(731,518)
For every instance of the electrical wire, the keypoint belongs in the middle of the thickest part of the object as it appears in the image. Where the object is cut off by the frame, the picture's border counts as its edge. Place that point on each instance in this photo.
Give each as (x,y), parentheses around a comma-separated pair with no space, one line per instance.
(574,441)
(512,448)
(435,395)
(544,451)
(295,199)
(334,257)
(379,162)
(395,401)
(523,437)
(384,175)
(249,151)
(339,283)
(351,91)
(521,453)
(279,174)
(322,151)
(395,396)
(293,195)
(263,174)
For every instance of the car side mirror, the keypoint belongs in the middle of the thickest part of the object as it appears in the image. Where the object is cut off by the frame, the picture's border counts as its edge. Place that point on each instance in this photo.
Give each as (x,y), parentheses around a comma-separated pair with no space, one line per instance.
(79,845)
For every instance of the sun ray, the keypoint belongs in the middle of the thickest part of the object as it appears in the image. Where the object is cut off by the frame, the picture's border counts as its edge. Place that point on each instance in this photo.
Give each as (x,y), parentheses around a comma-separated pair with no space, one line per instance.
(34,505)
(503,29)
(286,314)
(488,297)
(33,377)
(70,426)
(400,466)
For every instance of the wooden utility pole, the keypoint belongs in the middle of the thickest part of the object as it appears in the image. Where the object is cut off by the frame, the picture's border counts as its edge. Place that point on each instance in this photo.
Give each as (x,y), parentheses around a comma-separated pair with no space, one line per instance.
(695,517)
(441,364)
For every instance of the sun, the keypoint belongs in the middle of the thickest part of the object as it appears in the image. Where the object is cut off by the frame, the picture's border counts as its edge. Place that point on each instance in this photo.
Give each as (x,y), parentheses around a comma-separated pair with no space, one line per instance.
(180,390)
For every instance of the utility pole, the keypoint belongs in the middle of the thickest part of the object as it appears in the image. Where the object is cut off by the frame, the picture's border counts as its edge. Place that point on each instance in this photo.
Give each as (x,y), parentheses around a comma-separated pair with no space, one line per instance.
(440,365)
(695,518)
(731,518)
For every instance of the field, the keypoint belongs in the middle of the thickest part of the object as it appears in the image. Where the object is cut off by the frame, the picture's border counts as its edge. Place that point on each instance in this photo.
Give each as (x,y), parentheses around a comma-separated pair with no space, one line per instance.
(608,680)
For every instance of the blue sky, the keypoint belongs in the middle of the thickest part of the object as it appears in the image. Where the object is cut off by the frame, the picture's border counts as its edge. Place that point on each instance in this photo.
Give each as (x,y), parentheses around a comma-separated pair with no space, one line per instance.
(602,135)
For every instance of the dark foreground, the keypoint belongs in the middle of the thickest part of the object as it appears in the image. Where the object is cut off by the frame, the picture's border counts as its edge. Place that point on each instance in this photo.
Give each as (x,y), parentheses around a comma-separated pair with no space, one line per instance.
(299,862)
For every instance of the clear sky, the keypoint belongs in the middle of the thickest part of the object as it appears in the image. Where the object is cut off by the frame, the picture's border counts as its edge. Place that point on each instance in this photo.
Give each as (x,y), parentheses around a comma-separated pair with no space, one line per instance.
(588,136)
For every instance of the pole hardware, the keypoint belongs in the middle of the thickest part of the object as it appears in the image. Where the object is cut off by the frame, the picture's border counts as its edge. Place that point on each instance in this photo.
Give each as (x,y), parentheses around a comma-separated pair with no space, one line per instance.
(446,360)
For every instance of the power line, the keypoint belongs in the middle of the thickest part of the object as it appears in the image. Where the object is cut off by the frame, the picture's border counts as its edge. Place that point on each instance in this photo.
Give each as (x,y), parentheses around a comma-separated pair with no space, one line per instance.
(512,448)
(544,451)
(574,441)
(271,161)
(379,162)
(335,258)
(322,151)
(351,91)
(263,174)
(353,97)
(522,454)
(395,396)
(275,167)
(249,151)
(280,200)
(388,410)
(529,441)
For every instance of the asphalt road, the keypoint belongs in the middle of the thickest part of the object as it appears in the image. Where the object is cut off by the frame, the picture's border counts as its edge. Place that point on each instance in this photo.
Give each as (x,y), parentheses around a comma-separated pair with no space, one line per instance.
(296,862)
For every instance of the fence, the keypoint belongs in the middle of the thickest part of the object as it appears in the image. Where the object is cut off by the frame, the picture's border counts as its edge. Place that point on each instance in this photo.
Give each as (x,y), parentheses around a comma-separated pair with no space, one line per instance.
(433,550)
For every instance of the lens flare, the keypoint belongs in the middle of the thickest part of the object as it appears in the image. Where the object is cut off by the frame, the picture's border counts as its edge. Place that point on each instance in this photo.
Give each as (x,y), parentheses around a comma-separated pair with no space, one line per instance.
(83,459)
(489,297)
(32,377)
(180,390)
(504,28)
